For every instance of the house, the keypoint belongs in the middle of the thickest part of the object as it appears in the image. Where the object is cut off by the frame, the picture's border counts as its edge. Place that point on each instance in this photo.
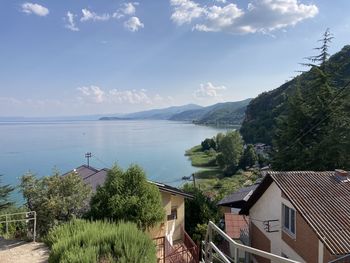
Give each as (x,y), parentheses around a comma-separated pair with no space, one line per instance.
(171,232)
(236,225)
(301,215)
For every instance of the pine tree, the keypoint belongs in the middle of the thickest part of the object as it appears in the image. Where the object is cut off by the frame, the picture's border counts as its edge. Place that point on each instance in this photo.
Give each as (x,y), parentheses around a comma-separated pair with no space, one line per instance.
(314,133)
(5,191)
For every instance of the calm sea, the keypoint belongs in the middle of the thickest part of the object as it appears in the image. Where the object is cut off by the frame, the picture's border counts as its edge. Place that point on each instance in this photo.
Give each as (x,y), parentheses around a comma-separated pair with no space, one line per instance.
(157,146)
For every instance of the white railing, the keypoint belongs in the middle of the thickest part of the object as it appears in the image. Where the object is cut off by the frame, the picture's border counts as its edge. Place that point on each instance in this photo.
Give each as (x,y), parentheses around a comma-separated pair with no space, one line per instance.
(28,216)
(211,250)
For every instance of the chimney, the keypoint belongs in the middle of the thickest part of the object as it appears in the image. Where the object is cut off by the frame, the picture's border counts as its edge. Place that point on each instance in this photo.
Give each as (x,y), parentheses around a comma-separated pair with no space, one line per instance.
(341,173)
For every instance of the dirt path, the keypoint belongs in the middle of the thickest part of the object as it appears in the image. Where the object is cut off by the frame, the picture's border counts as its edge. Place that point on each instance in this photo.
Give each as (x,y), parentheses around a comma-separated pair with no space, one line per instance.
(14,251)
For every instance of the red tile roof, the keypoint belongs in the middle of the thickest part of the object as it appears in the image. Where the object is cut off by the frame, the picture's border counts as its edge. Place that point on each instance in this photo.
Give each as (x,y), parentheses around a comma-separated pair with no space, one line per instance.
(321,198)
(234,223)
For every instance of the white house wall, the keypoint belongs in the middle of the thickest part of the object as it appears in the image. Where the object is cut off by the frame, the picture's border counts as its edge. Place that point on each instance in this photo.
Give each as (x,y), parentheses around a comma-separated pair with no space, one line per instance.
(269,207)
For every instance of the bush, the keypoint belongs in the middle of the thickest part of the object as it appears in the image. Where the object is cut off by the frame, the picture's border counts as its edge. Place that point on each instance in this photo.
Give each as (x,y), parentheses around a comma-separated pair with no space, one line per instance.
(55,198)
(93,242)
(127,195)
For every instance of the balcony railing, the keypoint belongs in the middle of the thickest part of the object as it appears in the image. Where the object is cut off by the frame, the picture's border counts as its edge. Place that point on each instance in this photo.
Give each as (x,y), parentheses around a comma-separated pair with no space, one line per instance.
(211,251)
(182,251)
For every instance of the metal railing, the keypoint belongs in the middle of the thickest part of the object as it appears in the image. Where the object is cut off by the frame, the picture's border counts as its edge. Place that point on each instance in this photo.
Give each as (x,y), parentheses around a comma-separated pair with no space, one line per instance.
(211,250)
(11,218)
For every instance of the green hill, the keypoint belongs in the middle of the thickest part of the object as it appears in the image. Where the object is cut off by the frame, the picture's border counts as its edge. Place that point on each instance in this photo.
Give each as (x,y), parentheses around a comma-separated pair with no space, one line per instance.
(261,113)
(227,113)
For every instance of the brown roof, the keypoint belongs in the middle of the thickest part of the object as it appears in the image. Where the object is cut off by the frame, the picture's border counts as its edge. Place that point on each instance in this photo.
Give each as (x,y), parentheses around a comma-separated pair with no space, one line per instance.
(234,223)
(84,171)
(321,198)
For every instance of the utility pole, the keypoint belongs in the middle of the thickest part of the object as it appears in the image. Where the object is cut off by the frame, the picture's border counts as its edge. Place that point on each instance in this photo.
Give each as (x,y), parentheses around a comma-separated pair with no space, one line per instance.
(188,178)
(194,180)
(88,155)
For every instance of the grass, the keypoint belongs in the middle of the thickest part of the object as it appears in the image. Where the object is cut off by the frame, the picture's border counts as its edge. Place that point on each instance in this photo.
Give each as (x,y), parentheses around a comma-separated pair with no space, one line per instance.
(201,159)
(218,187)
(211,179)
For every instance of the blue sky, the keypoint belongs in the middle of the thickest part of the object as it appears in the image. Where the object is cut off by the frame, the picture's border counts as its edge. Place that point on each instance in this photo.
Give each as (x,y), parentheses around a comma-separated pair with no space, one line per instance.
(86,57)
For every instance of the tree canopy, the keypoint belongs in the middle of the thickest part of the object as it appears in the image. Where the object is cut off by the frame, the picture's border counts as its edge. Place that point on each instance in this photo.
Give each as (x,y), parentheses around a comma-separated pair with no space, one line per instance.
(127,195)
(198,212)
(55,198)
(314,134)
(231,149)
(249,157)
(5,191)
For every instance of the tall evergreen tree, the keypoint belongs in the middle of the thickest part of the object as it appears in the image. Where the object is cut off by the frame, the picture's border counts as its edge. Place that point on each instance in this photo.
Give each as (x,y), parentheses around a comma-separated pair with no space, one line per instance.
(314,134)
(5,191)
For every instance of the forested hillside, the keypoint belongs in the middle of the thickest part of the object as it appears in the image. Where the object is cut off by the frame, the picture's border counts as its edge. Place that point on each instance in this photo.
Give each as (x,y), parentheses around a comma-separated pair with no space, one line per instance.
(227,113)
(262,112)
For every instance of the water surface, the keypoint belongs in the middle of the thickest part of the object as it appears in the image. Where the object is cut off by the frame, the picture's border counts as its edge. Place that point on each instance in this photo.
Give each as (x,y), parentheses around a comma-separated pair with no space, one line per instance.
(158,146)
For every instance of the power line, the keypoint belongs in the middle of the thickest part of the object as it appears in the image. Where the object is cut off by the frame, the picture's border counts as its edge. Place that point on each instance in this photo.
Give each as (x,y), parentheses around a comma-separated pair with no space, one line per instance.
(99,160)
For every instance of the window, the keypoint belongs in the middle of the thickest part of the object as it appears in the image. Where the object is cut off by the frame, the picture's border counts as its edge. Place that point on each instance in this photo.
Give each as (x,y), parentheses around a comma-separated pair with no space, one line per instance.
(288,220)
(173,214)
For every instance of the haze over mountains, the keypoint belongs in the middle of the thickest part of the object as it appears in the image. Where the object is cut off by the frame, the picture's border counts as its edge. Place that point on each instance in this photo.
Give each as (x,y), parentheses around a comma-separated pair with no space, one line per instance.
(226,113)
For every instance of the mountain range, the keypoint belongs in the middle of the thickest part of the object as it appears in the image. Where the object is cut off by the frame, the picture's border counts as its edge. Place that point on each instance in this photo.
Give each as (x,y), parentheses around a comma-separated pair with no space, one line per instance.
(226,113)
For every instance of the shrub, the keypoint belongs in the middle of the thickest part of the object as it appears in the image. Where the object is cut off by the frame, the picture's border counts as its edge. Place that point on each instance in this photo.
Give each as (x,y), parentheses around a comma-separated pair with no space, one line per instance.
(55,198)
(93,242)
(127,195)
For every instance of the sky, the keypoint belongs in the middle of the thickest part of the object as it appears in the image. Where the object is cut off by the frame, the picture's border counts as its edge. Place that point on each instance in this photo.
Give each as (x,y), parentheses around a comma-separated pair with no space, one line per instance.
(61,58)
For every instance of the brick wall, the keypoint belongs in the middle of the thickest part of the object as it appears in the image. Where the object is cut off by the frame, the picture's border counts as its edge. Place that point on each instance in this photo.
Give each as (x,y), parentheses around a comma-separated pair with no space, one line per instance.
(305,242)
(259,241)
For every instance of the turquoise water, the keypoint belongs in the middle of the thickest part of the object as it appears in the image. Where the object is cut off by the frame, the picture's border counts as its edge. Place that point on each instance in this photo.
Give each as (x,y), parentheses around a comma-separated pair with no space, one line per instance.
(158,146)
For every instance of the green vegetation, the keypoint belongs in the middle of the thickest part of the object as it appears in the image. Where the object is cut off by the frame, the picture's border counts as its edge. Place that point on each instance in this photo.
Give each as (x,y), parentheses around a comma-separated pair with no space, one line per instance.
(230,147)
(55,198)
(200,158)
(15,229)
(249,157)
(220,114)
(198,212)
(97,242)
(219,180)
(5,191)
(126,195)
(230,113)
(263,112)
(314,134)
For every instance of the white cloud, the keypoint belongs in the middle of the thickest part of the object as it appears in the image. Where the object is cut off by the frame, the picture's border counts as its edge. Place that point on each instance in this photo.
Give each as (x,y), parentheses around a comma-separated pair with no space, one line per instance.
(208,90)
(89,15)
(70,23)
(32,8)
(185,11)
(219,18)
(127,9)
(133,24)
(261,16)
(92,94)
(130,96)
(221,1)
(96,95)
